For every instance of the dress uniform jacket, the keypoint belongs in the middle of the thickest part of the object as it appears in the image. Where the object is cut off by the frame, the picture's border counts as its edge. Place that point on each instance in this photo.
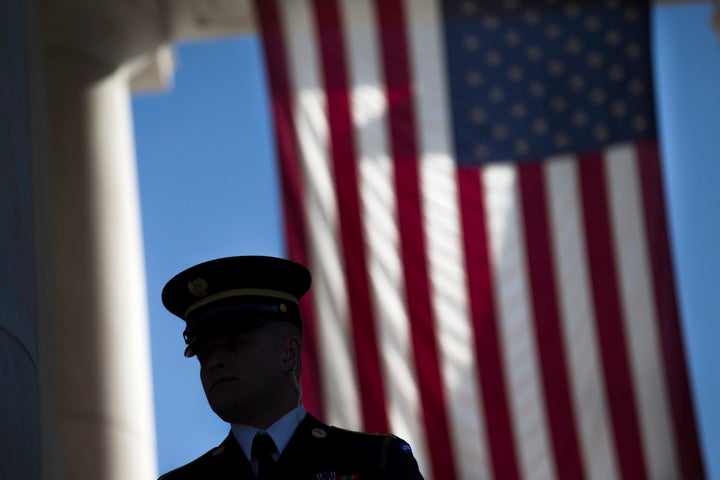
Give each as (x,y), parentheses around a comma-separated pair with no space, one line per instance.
(315,452)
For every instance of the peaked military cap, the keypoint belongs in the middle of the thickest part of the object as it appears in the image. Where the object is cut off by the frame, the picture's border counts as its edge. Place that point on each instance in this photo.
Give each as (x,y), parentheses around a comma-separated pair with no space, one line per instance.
(234,295)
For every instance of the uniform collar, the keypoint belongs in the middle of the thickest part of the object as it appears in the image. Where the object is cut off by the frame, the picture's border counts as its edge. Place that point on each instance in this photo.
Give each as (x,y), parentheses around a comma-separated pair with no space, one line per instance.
(280,431)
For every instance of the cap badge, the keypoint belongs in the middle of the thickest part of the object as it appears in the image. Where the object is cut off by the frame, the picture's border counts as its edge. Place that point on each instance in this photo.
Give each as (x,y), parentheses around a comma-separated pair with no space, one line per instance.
(198,287)
(318,433)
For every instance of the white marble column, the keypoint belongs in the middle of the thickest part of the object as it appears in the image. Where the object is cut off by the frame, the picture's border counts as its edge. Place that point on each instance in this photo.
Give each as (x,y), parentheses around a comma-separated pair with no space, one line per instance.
(101,396)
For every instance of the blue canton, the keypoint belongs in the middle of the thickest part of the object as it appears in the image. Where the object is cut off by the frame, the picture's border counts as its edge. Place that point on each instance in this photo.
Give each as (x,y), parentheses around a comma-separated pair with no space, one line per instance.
(532,79)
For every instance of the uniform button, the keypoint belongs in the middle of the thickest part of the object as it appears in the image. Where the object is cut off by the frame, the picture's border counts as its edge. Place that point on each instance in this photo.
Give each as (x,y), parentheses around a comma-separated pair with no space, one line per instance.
(318,433)
(218,451)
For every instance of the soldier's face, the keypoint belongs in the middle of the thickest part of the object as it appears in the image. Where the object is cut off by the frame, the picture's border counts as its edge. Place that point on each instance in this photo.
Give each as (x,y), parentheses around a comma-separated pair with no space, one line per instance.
(242,374)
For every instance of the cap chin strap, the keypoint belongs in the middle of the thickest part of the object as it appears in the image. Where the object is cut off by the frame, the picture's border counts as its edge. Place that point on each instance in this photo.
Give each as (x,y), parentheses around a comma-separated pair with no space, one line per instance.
(294,377)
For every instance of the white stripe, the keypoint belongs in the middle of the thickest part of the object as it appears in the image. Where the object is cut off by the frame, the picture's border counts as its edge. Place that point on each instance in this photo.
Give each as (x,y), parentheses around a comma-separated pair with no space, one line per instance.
(577,316)
(639,311)
(443,233)
(369,111)
(517,330)
(338,374)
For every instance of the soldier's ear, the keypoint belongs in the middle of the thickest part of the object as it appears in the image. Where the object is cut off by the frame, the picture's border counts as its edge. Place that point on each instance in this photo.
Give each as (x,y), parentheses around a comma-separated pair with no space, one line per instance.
(291,351)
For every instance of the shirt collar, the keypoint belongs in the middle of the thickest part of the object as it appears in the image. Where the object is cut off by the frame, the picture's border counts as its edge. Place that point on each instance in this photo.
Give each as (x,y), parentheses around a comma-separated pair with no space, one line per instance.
(280,431)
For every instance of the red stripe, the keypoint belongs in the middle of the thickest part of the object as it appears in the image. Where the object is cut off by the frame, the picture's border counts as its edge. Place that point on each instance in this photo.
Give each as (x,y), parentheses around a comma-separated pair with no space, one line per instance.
(403,143)
(548,331)
(292,188)
(342,150)
(683,413)
(487,344)
(609,319)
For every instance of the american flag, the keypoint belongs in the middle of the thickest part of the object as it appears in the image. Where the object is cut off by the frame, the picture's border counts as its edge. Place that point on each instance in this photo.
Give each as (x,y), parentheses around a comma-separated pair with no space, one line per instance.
(477,189)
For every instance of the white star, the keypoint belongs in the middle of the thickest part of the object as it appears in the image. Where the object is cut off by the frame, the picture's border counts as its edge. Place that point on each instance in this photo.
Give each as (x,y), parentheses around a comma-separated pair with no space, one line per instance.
(576,82)
(598,96)
(521,147)
(490,22)
(531,16)
(600,132)
(616,73)
(468,8)
(595,60)
(540,126)
(637,87)
(512,38)
(631,15)
(499,131)
(481,151)
(618,108)
(478,115)
(633,50)
(552,31)
(518,110)
(471,42)
(537,89)
(493,58)
(555,67)
(558,103)
(592,23)
(561,140)
(580,118)
(572,10)
(474,79)
(573,46)
(640,123)
(534,52)
(613,37)
(515,73)
(496,95)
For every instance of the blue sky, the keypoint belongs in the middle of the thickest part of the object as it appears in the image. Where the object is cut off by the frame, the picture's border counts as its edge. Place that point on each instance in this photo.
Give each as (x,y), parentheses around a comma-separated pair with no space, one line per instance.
(209,188)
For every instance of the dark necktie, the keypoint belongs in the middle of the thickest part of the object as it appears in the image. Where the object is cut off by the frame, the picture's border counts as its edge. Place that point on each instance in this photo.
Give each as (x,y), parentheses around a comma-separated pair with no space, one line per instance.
(262,449)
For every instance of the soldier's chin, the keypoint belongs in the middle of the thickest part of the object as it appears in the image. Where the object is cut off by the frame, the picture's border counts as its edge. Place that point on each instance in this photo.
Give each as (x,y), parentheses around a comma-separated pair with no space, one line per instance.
(229,416)
(228,412)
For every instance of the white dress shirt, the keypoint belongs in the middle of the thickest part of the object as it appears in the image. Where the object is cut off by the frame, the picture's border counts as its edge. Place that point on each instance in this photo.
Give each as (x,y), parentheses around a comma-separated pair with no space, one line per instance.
(280,432)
